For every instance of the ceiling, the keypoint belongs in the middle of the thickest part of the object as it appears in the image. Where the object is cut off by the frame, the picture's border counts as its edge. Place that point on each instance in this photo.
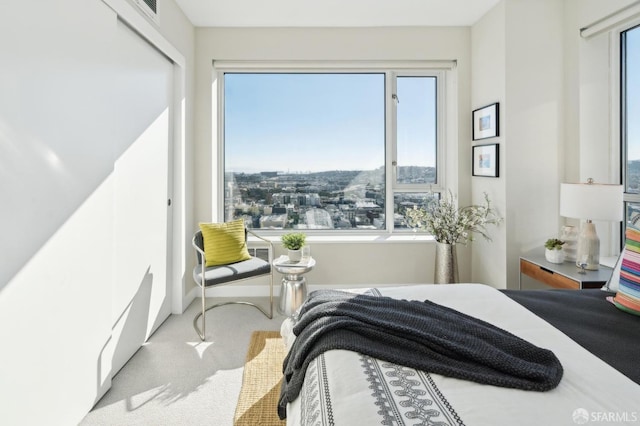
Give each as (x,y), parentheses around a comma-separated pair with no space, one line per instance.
(334,13)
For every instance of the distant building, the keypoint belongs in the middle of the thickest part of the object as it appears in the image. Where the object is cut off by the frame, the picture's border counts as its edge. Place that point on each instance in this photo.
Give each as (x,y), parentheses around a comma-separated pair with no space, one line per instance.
(318,219)
(274,221)
(366,205)
(342,223)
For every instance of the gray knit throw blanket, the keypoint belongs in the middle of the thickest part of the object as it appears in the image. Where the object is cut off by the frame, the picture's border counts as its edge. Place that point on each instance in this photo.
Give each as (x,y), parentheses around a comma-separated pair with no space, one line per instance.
(421,335)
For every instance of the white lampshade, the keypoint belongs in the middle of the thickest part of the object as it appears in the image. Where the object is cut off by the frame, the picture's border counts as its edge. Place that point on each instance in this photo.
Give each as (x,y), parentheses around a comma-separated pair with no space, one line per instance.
(592,201)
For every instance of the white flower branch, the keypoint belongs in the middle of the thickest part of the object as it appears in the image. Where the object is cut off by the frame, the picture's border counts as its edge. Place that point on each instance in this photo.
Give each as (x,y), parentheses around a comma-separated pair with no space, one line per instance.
(452,225)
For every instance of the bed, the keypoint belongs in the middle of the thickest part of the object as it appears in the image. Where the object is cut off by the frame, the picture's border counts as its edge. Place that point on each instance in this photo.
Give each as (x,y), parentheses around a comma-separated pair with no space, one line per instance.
(595,344)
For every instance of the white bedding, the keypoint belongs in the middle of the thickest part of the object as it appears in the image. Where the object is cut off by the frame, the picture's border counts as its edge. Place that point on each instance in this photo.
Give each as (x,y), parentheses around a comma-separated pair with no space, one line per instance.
(345,388)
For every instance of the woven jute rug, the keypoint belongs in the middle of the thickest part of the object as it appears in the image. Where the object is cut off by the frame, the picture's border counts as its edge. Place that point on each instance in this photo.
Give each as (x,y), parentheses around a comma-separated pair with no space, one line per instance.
(262,377)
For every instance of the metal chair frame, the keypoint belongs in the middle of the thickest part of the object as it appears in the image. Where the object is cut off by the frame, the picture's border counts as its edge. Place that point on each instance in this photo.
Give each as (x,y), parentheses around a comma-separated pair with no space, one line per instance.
(203,286)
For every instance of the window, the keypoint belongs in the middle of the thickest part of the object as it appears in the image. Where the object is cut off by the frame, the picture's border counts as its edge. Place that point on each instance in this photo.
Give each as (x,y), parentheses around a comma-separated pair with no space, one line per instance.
(416,145)
(327,150)
(416,133)
(630,125)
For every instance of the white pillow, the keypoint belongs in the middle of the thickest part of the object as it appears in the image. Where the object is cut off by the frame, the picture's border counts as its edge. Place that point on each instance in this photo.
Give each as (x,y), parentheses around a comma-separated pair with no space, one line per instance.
(614,280)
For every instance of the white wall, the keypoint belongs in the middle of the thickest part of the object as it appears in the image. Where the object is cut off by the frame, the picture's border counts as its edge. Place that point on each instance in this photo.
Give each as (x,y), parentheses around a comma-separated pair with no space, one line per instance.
(555,92)
(593,139)
(517,61)
(591,145)
(339,262)
(488,85)
(584,58)
(58,147)
(534,137)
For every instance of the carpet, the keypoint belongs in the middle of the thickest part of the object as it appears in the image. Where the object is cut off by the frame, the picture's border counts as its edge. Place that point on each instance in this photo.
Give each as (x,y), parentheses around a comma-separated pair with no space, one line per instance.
(261,380)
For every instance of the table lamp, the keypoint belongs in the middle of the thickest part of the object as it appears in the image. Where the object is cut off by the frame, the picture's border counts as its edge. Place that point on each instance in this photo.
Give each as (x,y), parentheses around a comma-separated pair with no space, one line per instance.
(590,201)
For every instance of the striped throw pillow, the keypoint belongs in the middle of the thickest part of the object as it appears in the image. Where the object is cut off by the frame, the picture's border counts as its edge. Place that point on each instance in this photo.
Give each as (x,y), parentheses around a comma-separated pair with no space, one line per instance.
(224,243)
(628,296)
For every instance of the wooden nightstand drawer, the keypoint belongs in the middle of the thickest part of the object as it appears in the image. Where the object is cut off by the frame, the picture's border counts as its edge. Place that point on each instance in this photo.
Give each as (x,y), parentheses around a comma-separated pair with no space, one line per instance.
(547,276)
(563,275)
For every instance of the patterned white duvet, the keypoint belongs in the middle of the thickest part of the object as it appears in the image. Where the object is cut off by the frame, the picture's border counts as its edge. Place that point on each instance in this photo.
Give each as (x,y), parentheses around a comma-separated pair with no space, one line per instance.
(347,388)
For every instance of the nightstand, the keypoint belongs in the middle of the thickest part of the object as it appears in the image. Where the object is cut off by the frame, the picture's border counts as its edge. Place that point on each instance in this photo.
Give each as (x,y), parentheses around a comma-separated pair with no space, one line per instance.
(563,275)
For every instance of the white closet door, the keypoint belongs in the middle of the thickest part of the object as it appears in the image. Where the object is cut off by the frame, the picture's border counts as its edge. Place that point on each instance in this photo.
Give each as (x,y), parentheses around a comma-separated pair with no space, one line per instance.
(141,292)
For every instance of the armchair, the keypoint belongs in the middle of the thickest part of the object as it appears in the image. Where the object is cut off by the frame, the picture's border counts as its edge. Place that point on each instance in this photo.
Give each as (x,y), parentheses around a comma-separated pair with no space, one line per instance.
(209,276)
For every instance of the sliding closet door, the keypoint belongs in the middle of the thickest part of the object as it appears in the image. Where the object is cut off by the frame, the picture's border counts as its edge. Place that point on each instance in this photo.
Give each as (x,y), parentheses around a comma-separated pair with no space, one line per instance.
(141,291)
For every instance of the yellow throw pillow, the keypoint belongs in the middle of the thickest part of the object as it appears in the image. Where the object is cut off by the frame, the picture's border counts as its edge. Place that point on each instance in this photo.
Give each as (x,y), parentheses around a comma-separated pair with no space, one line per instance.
(224,242)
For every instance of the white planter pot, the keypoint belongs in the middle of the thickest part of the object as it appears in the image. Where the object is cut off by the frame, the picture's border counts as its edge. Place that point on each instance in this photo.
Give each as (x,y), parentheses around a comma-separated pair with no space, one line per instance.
(554,256)
(294,255)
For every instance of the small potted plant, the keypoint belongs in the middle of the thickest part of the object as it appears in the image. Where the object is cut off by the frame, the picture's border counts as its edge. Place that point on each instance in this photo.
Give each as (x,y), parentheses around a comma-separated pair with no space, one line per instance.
(293,242)
(553,250)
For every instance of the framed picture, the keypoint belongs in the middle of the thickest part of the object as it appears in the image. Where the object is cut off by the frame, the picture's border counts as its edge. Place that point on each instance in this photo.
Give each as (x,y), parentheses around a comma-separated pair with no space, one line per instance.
(486,160)
(486,122)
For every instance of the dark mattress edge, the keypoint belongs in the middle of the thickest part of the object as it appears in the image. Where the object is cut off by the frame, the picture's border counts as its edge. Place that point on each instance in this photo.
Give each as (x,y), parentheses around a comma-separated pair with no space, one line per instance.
(591,321)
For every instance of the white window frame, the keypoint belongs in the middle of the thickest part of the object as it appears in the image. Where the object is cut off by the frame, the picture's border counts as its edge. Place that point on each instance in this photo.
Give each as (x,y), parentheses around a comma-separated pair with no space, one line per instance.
(393,186)
(618,137)
(392,70)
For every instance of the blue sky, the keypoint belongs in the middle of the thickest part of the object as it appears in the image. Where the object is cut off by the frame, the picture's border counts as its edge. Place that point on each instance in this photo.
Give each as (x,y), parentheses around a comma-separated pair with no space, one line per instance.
(316,122)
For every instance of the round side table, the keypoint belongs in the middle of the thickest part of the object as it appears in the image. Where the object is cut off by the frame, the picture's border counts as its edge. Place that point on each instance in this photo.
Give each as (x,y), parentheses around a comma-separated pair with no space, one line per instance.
(293,290)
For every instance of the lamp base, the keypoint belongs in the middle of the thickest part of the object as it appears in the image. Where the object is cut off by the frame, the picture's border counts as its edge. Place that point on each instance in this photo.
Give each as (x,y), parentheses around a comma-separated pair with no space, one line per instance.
(588,255)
